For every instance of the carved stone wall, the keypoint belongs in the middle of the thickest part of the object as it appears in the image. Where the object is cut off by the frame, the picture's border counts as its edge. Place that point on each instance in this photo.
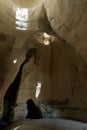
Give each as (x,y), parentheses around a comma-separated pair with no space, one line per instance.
(70,22)
(59,68)
(61,71)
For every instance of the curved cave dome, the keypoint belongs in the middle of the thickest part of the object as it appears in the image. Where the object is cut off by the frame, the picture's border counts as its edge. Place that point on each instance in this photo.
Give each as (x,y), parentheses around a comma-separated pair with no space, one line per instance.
(18,14)
(43,62)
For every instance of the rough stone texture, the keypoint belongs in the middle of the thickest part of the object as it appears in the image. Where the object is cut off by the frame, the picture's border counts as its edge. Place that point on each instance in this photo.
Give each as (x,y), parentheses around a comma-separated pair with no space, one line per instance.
(70,22)
(62,74)
(6,45)
(18,49)
(60,67)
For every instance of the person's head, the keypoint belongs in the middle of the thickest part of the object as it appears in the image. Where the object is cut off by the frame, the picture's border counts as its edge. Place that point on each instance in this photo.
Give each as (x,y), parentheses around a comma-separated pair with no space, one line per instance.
(30,103)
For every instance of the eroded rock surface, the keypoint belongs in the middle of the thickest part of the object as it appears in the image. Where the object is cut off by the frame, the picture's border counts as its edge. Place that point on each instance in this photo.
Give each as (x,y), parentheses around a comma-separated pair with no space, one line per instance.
(60,68)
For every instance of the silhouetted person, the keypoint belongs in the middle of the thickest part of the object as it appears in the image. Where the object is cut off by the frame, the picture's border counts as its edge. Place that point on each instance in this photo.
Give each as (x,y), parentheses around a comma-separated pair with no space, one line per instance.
(33,111)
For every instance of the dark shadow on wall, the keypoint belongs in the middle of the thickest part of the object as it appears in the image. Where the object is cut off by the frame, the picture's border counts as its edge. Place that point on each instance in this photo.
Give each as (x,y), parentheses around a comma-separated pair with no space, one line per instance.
(6,45)
(10,97)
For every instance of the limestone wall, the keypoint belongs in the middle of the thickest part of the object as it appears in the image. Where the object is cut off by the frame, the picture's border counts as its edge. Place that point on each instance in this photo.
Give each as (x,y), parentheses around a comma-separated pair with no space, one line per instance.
(70,22)
(61,71)
(59,68)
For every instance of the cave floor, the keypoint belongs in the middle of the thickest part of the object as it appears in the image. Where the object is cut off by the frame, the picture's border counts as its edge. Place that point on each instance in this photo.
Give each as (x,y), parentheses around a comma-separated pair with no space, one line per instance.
(45,124)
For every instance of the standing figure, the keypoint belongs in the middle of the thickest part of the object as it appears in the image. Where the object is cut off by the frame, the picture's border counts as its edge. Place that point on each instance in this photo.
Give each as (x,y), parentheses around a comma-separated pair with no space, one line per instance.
(33,111)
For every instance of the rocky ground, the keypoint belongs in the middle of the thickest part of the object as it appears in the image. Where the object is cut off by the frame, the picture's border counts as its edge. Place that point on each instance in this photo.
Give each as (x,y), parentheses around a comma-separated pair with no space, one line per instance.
(46,124)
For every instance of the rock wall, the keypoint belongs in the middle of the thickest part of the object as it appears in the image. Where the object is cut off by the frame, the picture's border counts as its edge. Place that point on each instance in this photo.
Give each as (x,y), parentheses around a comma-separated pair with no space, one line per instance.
(59,68)
(61,71)
(70,22)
